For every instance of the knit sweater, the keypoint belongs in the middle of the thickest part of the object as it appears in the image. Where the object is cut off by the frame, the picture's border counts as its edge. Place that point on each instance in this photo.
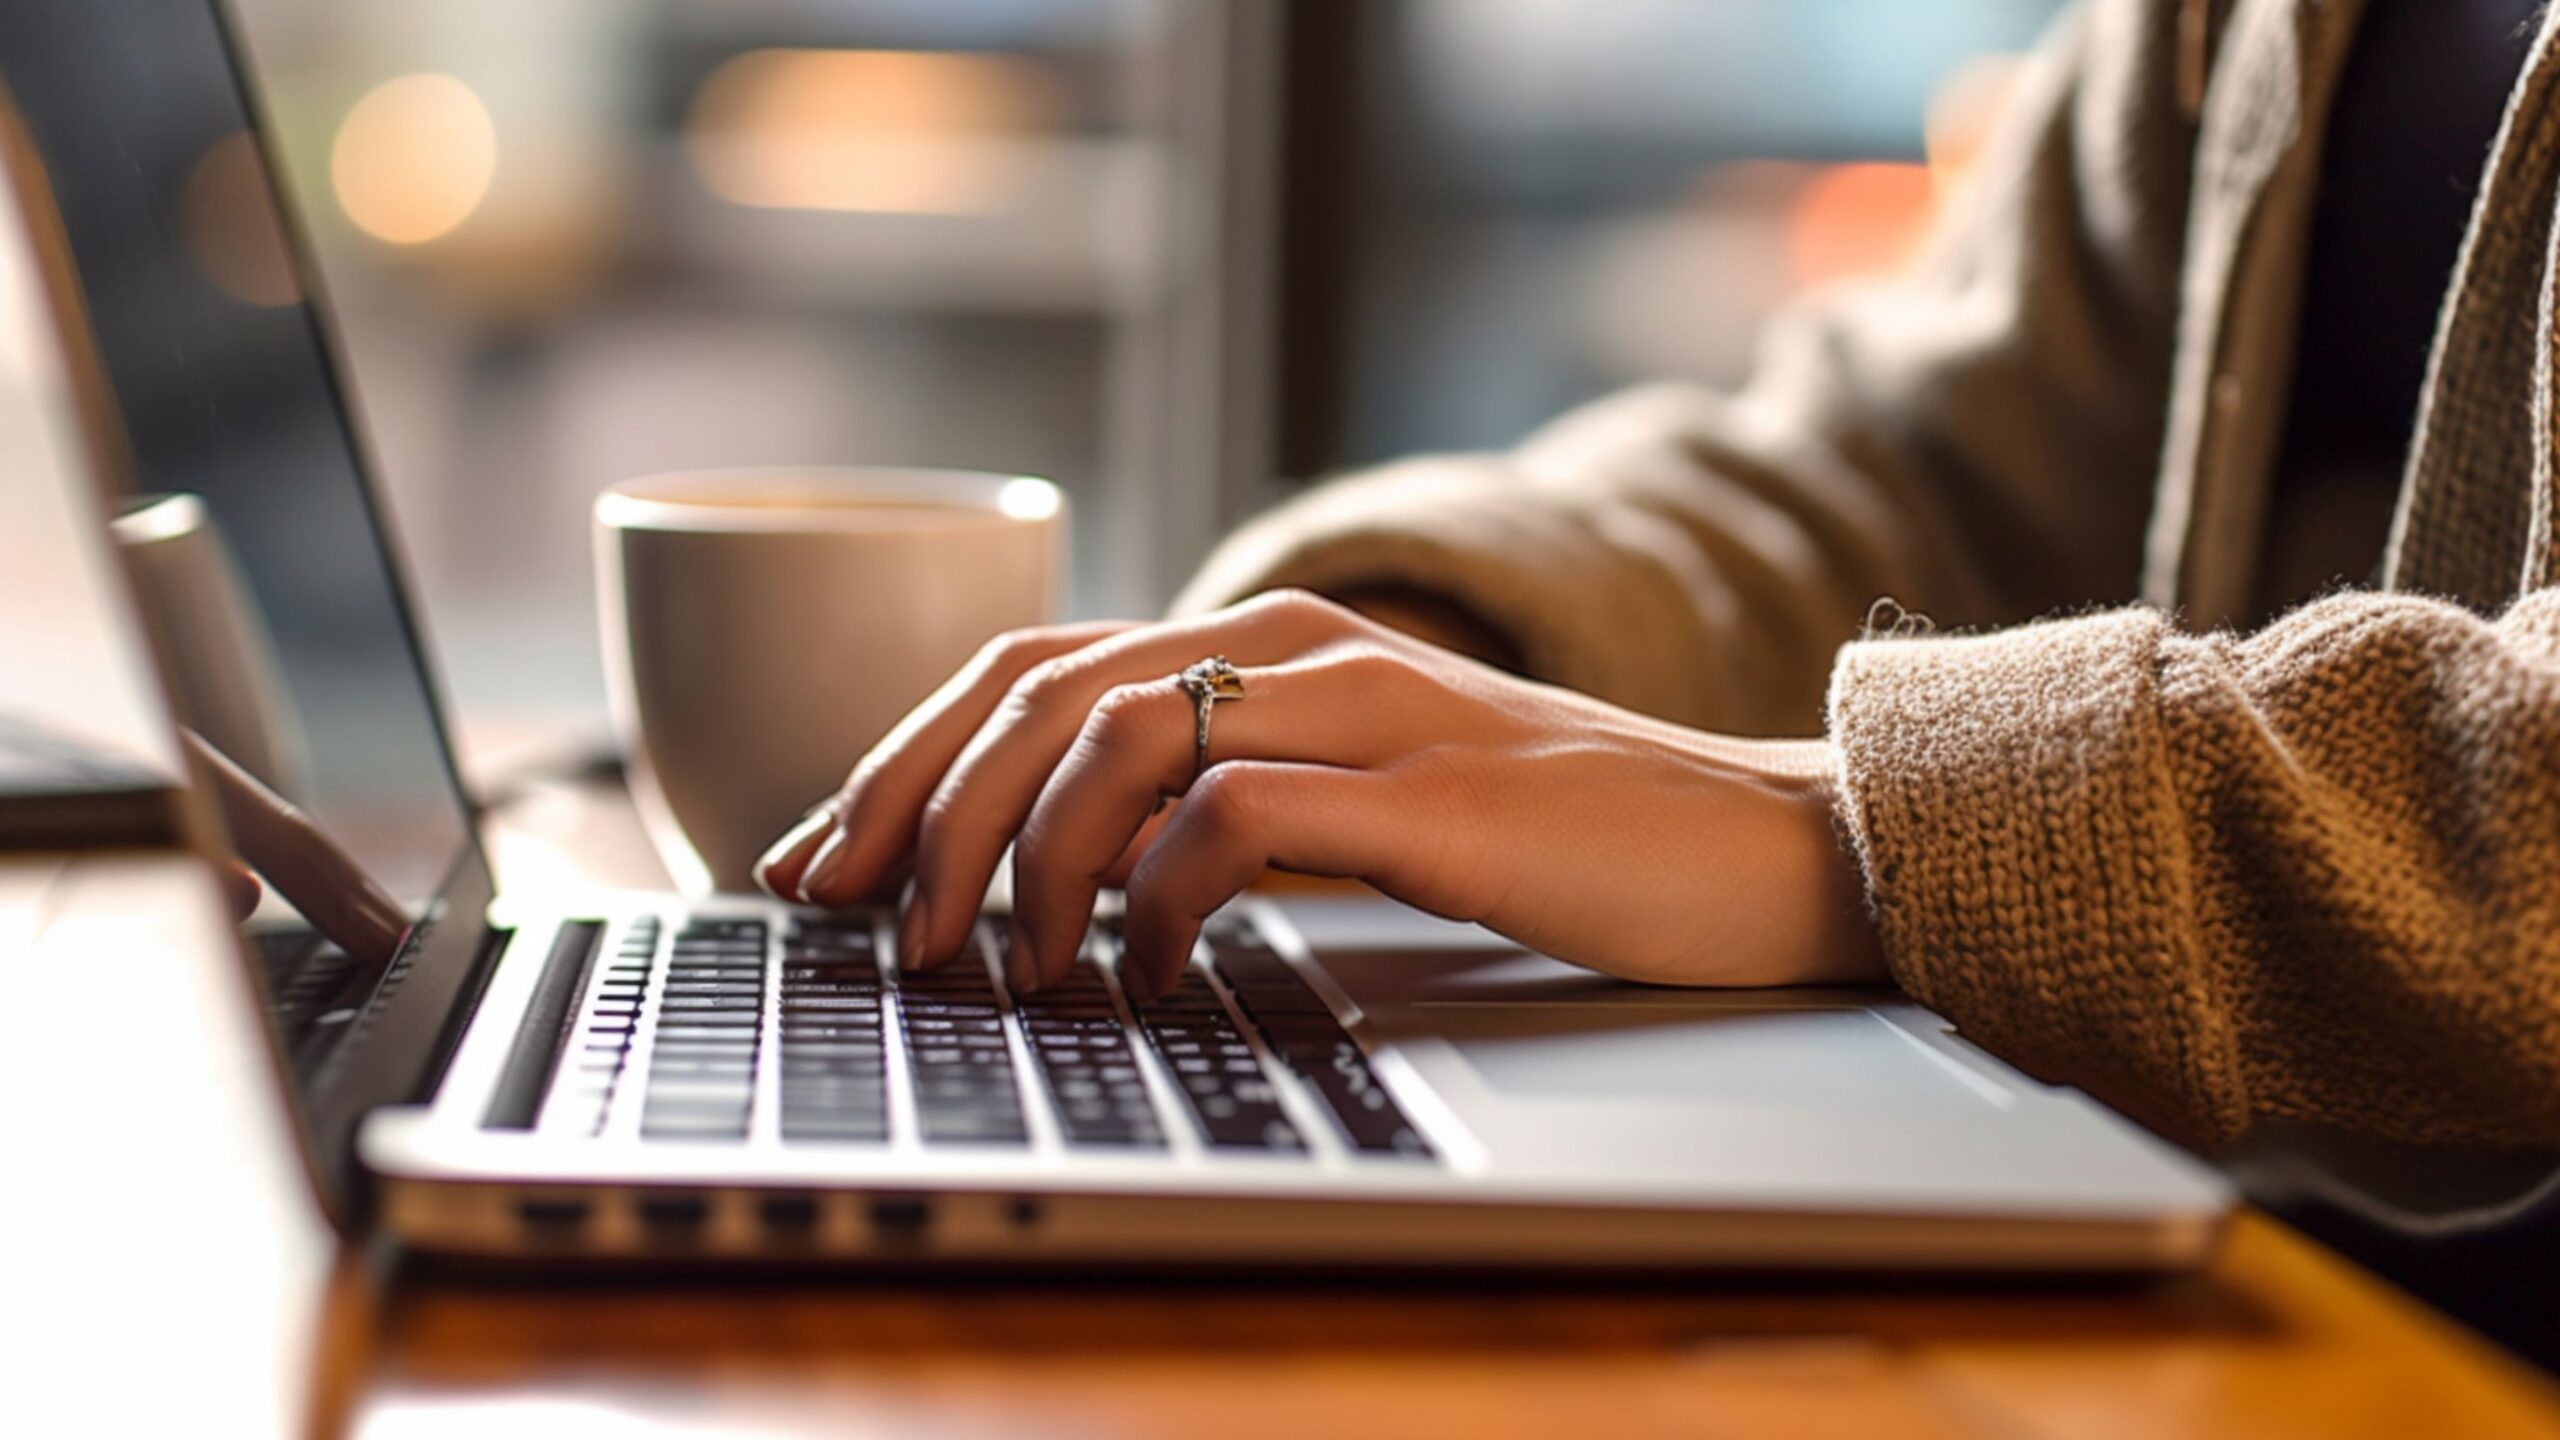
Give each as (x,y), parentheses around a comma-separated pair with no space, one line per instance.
(2308,870)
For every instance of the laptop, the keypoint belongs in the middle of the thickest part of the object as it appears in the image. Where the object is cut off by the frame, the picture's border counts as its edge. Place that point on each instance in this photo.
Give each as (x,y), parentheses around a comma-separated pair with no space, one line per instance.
(556,1075)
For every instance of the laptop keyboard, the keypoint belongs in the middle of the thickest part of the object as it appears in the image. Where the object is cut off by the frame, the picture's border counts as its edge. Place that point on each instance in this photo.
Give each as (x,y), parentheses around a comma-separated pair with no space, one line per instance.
(861,1054)
(835,1063)
(314,990)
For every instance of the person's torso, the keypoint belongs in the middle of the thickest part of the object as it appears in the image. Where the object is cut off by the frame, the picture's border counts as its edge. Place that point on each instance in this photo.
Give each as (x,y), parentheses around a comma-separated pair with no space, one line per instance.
(2408,137)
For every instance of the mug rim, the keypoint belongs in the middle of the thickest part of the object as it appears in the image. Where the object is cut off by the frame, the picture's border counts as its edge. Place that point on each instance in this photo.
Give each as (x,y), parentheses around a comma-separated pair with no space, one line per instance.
(942,499)
(158,516)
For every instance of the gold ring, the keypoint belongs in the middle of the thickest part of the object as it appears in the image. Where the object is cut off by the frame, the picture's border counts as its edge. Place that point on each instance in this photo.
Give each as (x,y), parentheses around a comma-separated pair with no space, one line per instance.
(1208,683)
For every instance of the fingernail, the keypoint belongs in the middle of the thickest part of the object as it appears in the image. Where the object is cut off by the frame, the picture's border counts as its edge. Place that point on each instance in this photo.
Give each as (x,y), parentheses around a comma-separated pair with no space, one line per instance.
(792,839)
(821,873)
(1020,973)
(911,926)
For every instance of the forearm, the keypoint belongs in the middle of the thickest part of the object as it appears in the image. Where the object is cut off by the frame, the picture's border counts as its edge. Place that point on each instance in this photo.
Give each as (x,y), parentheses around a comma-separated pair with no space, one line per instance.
(2308,873)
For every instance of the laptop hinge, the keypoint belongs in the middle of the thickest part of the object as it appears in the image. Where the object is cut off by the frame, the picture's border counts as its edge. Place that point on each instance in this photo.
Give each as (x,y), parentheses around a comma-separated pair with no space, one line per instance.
(466,1007)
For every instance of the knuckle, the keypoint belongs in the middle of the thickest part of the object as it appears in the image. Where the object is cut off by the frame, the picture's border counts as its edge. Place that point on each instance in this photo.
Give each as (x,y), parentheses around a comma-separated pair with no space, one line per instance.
(1121,716)
(1045,685)
(1370,666)
(1291,605)
(1011,651)
(934,822)
(1224,800)
(864,774)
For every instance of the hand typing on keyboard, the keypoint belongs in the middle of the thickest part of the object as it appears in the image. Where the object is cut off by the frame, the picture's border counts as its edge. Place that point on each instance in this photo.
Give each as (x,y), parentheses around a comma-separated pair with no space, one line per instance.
(1591,833)
(842,1037)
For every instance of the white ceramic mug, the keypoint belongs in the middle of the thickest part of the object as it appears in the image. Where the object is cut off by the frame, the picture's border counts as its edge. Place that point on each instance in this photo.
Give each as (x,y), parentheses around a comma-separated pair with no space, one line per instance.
(764,628)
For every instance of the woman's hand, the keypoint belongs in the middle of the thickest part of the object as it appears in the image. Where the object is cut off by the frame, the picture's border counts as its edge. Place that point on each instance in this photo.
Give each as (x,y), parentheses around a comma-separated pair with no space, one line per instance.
(1597,836)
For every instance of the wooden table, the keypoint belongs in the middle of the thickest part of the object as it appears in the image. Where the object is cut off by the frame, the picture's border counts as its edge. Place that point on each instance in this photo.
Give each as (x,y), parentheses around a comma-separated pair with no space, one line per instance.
(268,1322)
(2280,1339)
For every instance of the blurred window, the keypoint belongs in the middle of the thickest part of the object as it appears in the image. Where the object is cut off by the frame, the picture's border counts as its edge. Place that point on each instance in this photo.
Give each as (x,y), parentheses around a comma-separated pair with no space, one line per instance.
(1515,205)
(1162,251)
(575,241)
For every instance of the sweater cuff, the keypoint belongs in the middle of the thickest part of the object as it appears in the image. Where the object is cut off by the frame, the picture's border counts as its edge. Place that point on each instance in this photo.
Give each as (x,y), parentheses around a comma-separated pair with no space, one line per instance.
(1606,602)
(2009,802)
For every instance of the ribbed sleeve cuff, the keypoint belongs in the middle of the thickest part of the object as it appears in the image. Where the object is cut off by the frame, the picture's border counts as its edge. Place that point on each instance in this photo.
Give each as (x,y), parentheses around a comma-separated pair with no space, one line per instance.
(2010,804)
(1604,601)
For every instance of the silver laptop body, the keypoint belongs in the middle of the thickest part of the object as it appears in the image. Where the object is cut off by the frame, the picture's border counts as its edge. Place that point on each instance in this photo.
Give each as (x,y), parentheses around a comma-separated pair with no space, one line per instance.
(1339,1082)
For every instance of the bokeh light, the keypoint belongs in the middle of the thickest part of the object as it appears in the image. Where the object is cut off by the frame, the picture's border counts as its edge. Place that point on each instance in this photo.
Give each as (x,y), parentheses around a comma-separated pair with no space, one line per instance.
(230,224)
(414,158)
(878,131)
(1859,220)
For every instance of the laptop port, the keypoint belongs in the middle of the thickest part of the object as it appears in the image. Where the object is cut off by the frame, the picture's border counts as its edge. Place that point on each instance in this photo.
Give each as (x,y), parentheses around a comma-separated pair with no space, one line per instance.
(789,1216)
(901,1219)
(674,1216)
(553,1217)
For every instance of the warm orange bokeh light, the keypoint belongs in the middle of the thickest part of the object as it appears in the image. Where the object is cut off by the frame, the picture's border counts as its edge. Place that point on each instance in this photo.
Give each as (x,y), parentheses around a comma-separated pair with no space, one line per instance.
(1856,220)
(1868,219)
(414,158)
(884,131)
(227,213)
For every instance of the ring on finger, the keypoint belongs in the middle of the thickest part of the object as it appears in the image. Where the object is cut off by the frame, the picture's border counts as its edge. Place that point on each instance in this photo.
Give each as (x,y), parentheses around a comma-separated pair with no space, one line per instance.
(1210,683)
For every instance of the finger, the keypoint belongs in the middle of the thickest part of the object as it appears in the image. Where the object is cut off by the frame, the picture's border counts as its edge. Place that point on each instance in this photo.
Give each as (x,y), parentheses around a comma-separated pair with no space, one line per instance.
(1139,744)
(240,888)
(980,803)
(1245,817)
(1118,875)
(778,873)
(874,812)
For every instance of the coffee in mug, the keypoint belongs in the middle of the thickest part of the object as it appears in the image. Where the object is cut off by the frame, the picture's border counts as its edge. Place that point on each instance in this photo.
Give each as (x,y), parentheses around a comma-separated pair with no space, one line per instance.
(764,628)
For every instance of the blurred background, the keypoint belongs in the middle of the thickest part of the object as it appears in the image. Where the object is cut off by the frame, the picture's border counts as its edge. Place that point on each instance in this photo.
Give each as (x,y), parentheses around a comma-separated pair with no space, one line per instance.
(1180,255)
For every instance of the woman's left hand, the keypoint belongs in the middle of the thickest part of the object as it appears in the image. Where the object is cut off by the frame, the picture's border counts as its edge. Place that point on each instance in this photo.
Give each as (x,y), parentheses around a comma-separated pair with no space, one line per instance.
(1578,829)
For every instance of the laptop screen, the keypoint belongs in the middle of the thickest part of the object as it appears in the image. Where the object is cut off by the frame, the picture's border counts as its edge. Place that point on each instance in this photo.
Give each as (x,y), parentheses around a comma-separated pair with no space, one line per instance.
(267,577)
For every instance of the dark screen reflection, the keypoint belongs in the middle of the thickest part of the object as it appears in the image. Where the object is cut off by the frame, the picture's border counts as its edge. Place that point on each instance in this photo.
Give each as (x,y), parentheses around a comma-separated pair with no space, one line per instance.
(227,395)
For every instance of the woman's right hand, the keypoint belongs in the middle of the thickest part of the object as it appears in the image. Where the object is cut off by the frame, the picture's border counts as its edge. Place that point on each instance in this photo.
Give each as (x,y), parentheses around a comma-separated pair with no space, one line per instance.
(1576,828)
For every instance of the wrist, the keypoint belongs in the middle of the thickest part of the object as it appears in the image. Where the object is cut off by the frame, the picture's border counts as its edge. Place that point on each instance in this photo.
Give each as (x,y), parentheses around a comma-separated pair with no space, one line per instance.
(1852,950)
(1839,943)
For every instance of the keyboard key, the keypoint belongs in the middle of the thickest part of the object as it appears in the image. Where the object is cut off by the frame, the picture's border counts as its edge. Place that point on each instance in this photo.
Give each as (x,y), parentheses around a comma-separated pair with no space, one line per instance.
(1073,1030)
(832,1127)
(724,1042)
(1331,1062)
(1293,998)
(1191,1033)
(693,1123)
(950,1125)
(683,1066)
(965,1092)
(834,1087)
(704,1047)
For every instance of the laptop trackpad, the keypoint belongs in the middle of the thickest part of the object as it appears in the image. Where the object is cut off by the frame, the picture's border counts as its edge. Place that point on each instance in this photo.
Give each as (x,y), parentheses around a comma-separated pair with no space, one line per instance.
(1532,1028)
(1846,1056)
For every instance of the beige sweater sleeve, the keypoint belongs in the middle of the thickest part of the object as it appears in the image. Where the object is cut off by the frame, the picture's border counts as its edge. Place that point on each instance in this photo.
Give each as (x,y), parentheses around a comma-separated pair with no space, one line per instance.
(2312,873)
(1977,438)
